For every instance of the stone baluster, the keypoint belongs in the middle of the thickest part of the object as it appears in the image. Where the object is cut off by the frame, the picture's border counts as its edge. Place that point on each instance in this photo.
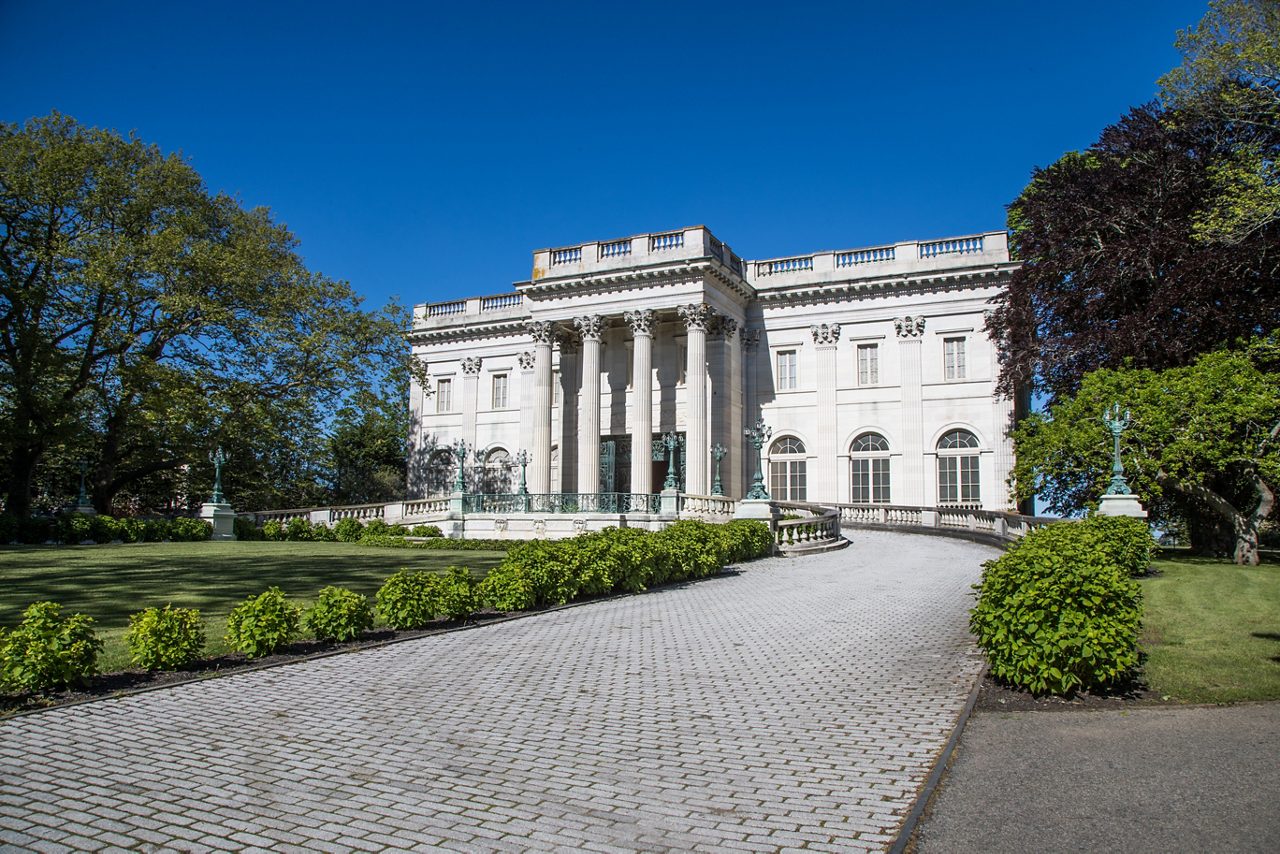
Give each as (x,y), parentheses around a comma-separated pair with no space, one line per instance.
(589,327)
(641,323)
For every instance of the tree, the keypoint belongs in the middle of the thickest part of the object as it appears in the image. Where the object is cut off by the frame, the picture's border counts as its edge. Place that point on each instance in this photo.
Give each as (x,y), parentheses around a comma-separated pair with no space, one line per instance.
(1230,72)
(143,318)
(1203,446)
(1110,273)
(367,448)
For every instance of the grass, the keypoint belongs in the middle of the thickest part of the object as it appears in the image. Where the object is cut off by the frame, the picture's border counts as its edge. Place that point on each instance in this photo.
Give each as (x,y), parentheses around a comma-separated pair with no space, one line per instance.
(1212,631)
(111,582)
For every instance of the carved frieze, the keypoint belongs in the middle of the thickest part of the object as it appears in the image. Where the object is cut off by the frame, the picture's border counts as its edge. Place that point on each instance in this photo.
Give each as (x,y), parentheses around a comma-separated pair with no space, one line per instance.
(825,333)
(909,327)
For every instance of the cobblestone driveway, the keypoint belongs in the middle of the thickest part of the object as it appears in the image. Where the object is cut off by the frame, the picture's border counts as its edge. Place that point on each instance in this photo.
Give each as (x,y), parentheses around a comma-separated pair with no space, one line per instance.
(800,703)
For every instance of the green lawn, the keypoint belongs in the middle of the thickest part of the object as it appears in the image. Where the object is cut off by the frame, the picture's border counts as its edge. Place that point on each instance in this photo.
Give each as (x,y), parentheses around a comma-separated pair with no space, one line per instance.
(111,582)
(1212,631)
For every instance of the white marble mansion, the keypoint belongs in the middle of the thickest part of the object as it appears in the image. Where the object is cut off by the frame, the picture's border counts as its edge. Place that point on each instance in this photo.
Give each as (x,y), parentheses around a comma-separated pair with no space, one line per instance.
(870,366)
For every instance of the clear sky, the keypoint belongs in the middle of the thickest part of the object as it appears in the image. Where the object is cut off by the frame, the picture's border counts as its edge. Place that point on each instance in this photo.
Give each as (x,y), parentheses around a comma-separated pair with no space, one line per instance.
(423,150)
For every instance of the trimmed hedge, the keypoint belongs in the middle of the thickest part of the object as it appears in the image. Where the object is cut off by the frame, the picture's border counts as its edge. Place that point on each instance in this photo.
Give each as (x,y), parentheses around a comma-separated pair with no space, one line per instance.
(76,528)
(1058,611)
(541,573)
(339,615)
(47,650)
(165,638)
(262,624)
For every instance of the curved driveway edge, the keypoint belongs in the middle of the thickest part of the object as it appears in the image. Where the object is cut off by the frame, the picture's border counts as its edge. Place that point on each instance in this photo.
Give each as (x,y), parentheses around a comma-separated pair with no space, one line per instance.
(799,703)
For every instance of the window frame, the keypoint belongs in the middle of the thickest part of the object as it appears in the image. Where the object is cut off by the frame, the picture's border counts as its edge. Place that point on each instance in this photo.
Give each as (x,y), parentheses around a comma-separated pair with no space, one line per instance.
(873,364)
(444,395)
(505,402)
(876,471)
(788,469)
(787,381)
(955,360)
(959,469)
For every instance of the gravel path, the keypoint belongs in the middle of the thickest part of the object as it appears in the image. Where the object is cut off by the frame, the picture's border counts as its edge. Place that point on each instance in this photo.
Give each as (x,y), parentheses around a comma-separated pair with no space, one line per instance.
(798,703)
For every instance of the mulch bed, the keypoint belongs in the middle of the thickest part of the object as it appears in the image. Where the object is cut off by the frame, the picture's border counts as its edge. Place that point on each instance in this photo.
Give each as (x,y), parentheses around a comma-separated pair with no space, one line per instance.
(127,681)
(995,697)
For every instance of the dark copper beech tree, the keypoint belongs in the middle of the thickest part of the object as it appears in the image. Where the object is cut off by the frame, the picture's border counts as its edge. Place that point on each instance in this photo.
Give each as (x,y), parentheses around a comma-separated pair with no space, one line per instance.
(1112,271)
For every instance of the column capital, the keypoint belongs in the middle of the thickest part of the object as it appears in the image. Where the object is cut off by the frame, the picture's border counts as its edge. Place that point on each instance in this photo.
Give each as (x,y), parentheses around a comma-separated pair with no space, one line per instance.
(750,338)
(526,361)
(697,317)
(567,341)
(589,326)
(827,334)
(641,321)
(909,327)
(471,365)
(542,331)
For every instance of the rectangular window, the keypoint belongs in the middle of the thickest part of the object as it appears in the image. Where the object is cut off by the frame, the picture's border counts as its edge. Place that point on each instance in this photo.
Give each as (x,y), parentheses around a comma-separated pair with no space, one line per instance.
(555,387)
(959,481)
(444,395)
(953,358)
(500,391)
(787,377)
(870,482)
(868,364)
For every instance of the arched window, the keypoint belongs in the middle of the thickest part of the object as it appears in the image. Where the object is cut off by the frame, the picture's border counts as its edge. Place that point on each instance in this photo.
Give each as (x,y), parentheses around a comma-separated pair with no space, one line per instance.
(787,478)
(869,470)
(497,472)
(440,471)
(958,480)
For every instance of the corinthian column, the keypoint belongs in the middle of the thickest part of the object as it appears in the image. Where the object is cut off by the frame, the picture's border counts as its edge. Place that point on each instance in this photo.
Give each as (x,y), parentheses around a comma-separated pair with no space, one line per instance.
(540,470)
(641,323)
(589,404)
(917,479)
(697,446)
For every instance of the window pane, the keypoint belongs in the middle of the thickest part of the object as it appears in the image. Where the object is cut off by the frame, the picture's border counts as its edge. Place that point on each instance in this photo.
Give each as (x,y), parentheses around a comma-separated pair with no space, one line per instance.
(970,488)
(953,358)
(860,482)
(799,488)
(787,369)
(778,480)
(868,364)
(880,481)
(444,396)
(947,489)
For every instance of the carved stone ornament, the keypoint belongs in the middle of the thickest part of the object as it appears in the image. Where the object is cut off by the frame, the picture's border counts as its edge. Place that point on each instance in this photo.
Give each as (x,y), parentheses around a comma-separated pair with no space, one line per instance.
(500,525)
(728,328)
(909,327)
(540,528)
(567,341)
(471,365)
(641,322)
(696,316)
(579,526)
(526,361)
(541,331)
(750,338)
(589,326)
(826,333)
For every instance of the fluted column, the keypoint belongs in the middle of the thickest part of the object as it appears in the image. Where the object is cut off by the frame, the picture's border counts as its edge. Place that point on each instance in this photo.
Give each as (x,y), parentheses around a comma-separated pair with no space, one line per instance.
(641,323)
(916,479)
(589,404)
(750,407)
(540,468)
(822,481)
(697,445)
(733,429)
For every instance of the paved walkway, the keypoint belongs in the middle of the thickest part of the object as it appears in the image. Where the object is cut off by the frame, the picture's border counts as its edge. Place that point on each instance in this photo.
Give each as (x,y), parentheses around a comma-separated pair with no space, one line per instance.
(1171,779)
(799,703)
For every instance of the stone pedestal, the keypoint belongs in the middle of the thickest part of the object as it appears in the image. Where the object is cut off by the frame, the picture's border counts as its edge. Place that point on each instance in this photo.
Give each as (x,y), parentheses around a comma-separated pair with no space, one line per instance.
(669,504)
(1121,505)
(84,509)
(760,509)
(222,517)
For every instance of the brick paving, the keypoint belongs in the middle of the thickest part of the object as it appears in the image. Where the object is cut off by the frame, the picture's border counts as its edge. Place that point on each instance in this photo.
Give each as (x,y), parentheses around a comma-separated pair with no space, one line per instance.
(799,704)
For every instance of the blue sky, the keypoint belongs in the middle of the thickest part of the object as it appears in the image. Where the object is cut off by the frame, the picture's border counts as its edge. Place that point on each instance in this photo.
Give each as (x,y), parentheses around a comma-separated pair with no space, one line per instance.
(424,150)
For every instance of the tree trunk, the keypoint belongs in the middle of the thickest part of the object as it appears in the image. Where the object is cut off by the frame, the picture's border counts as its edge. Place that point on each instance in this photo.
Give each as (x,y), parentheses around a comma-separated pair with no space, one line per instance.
(1243,526)
(22,469)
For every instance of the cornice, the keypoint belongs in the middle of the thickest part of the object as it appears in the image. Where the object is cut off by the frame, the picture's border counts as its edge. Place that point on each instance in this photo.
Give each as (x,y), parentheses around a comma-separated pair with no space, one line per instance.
(469,331)
(906,285)
(608,281)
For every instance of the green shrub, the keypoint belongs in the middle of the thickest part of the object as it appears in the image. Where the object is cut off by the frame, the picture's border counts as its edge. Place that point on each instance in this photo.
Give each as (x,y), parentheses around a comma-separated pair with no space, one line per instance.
(425,531)
(298,530)
(748,539)
(47,650)
(34,530)
(348,530)
(1056,613)
(131,530)
(9,528)
(407,599)
(74,528)
(386,541)
(322,533)
(165,638)
(455,594)
(445,544)
(186,530)
(103,529)
(246,531)
(339,615)
(507,587)
(1128,541)
(272,530)
(262,624)
(379,528)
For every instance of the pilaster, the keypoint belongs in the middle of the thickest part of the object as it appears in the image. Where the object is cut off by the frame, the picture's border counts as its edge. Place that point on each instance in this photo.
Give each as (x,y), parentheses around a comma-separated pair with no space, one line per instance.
(823,477)
(540,419)
(589,327)
(915,479)
(470,398)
